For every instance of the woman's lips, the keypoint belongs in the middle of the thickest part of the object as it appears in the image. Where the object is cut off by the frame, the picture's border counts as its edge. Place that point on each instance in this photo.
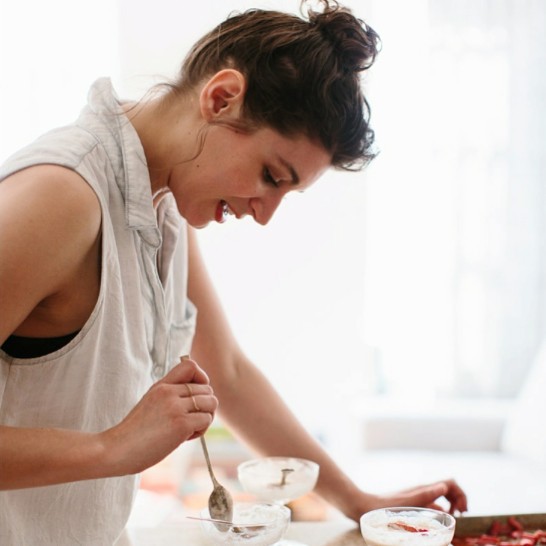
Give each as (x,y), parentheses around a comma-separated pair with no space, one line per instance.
(221,213)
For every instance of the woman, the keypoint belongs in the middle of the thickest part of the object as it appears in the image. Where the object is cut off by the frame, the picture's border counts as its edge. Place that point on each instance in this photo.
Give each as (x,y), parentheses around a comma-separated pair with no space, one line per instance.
(103,287)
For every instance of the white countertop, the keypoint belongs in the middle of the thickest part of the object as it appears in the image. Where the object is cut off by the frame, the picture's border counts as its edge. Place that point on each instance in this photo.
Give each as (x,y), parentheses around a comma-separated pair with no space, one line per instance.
(162,520)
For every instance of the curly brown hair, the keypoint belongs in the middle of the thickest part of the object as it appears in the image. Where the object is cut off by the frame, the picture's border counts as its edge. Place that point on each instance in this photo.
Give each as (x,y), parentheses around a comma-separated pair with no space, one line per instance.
(302,73)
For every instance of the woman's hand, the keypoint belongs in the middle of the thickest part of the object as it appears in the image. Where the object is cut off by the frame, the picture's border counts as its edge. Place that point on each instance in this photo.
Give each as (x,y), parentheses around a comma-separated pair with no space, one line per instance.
(177,408)
(434,495)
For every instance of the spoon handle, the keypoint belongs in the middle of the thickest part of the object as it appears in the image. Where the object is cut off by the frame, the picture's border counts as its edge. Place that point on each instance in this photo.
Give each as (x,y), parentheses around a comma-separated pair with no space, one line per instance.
(207,459)
(205,450)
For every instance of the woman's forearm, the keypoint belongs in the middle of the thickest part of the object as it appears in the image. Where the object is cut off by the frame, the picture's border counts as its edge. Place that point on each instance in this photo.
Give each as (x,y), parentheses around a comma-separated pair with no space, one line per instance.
(255,412)
(33,457)
(163,419)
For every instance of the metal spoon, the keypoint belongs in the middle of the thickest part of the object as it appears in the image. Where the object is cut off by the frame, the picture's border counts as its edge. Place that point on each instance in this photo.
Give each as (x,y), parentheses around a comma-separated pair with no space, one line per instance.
(220,501)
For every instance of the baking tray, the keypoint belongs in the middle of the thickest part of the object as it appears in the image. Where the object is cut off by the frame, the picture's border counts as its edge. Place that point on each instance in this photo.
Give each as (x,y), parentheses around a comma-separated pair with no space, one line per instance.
(477,525)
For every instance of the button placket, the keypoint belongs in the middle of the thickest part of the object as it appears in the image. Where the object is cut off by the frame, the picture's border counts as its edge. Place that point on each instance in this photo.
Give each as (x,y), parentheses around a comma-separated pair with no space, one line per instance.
(159,350)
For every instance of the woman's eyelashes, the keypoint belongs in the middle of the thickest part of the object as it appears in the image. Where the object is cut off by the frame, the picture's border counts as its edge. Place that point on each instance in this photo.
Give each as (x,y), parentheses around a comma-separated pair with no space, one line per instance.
(269,178)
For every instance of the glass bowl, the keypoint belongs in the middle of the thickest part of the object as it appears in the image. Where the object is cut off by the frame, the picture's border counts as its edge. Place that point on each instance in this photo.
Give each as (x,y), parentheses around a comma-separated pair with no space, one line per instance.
(407,526)
(254,524)
(278,479)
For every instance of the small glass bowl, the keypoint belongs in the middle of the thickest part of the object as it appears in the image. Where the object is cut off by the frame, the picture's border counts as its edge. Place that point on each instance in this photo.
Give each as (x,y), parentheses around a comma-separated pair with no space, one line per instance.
(407,526)
(255,524)
(265,478)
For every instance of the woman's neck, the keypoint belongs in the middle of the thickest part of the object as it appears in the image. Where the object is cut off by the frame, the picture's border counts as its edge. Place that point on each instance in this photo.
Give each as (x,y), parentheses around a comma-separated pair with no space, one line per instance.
(167,129)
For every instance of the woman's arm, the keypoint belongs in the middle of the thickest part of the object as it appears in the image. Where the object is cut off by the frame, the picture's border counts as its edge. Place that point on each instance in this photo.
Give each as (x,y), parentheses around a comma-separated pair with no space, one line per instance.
(49,219)
(255,412)
(163,419)
(49,224)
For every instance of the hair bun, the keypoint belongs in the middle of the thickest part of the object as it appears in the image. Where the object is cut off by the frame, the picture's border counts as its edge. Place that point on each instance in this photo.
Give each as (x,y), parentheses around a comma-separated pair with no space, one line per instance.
(355,43)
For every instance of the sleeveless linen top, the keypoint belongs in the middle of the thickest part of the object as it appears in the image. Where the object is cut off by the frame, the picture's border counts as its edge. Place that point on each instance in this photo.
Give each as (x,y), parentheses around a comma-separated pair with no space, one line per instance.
(141,324)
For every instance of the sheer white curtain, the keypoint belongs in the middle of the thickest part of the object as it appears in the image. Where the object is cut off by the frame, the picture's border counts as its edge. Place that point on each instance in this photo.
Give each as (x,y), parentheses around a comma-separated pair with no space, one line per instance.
(455,299)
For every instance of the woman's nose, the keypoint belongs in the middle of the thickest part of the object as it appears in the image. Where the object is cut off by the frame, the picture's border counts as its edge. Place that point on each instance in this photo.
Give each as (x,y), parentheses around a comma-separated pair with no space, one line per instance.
(264,208)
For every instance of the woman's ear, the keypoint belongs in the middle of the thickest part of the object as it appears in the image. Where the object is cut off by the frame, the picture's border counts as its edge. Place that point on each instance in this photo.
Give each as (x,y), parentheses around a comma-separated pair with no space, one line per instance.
(223,95)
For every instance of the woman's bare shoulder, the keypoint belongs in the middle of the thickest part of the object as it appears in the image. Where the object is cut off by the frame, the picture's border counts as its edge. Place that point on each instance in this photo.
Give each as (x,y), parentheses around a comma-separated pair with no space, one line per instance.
(47,200)
(49,221)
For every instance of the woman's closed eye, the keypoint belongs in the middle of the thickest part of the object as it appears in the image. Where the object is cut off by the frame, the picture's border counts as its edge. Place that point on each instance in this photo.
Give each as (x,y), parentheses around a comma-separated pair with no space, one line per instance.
(269,178)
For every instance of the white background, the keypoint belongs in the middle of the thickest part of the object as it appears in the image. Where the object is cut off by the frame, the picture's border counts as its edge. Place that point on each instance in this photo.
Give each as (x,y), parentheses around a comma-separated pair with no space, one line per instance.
(420,277)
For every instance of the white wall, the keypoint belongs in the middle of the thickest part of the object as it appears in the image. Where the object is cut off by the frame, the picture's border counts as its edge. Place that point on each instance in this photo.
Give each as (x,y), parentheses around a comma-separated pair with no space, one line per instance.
(50,53)
(293,289)
(356,278)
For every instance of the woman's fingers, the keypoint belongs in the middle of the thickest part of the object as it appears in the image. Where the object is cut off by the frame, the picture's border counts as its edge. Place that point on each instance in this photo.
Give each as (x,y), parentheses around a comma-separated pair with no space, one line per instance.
(187,371)
(194,397)
(457,497)
(430,495)
(201,404)
(185,390)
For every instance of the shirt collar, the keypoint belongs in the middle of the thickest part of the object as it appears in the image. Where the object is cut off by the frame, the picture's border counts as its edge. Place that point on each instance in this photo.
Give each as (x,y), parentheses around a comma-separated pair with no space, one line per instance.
(131,169)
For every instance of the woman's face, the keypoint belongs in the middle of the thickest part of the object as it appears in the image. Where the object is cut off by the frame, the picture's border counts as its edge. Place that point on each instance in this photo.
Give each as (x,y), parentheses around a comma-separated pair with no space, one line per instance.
(244,174)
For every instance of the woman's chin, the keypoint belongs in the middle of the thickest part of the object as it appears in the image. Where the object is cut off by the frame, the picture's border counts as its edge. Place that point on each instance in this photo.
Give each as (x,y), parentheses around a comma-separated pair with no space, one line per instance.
(198,225)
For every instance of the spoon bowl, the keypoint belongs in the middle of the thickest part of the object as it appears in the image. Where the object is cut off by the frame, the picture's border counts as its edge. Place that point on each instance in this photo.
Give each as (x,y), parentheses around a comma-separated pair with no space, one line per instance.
(220,503)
